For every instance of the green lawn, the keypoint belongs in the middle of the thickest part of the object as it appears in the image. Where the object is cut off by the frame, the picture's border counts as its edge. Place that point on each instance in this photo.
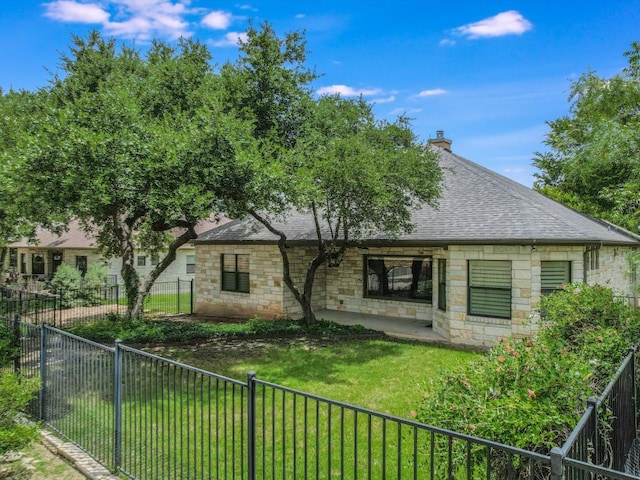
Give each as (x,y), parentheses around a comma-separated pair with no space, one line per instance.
(168,303)
(194,423)
(383,375)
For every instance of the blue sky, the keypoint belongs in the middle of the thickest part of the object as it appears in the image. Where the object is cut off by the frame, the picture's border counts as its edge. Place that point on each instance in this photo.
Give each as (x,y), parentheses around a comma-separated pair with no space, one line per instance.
(488,73)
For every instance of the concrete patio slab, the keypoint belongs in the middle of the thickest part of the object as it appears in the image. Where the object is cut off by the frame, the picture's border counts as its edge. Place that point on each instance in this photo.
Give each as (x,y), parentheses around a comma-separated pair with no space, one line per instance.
(405,328)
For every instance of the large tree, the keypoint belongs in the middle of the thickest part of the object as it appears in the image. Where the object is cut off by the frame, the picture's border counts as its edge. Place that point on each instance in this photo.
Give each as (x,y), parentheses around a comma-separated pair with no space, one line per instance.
(594,160)
(329,157)
(134,146)
(20,209)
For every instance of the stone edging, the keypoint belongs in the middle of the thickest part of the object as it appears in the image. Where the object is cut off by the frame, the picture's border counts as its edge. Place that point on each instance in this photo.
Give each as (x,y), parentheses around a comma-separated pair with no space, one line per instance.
(78,458)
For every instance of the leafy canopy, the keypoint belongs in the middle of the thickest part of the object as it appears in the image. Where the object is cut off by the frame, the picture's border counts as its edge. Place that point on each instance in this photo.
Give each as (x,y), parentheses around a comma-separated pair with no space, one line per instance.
(594,160)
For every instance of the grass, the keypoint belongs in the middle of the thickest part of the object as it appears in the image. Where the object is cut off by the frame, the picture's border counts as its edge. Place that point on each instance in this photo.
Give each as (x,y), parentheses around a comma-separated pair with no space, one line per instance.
(383,375)
(193,422)
(168,303)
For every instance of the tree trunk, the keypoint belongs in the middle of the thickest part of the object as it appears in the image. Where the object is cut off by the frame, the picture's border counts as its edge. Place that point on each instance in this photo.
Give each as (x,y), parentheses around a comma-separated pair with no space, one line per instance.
(131,281)
(147,283)
(304,297)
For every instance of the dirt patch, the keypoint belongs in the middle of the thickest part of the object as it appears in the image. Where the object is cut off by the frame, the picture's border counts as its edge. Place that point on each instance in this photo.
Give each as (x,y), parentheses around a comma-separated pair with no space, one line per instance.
(235,346)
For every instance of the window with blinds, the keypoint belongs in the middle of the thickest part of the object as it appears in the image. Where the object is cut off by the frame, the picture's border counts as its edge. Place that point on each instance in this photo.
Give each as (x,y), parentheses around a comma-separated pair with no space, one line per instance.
(490,288)
(235,273)
(553,275)
(191,264)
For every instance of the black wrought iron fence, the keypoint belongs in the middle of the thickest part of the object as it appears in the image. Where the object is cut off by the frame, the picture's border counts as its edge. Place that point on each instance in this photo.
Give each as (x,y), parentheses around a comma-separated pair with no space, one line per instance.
(70,306)
(607,430)
(149,417)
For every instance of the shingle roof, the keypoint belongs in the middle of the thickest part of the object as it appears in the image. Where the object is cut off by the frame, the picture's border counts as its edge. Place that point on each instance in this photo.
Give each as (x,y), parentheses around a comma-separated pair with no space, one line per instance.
(76,237)
(478,206)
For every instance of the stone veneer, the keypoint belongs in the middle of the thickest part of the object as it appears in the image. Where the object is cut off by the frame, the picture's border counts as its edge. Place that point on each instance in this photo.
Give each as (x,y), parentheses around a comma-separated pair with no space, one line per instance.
(341,288)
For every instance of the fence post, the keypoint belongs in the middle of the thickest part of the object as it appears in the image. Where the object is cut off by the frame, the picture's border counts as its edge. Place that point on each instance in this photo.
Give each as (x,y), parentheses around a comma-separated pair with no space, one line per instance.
(593,403)
(16,343)
(557,469)
(191,298)
(178,312)
(43,372)
(117,398)
(251,424)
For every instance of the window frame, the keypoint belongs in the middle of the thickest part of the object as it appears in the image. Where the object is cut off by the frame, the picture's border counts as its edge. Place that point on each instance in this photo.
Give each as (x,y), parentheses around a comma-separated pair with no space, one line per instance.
(235,273)
(398,298)
(82,264)
(558,286)
(13,257)
(442,284)
(41,264)
(141,261)
(485,288)
(191,270)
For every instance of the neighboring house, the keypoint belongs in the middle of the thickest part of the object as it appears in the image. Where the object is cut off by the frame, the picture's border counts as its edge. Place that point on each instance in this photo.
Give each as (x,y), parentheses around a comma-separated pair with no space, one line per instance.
(475,268)
(40,258)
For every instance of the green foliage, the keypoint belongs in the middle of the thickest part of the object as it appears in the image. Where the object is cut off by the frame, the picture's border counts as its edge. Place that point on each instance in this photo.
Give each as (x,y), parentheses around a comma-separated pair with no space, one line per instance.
(93,283)
(66,285)
(15,394)
(166,331)
(8,348)
(329,158)
(593,164)
(531,393)
(129,142)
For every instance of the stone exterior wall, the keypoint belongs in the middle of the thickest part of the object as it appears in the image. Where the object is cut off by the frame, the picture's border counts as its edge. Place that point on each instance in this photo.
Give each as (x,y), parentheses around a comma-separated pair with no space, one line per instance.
(613,270)
(265,297)
(342,288)
(269,296)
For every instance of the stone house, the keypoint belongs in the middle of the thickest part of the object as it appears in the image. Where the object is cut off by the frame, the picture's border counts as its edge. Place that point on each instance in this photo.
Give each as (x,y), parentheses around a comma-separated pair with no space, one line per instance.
(474,268)
(39,259)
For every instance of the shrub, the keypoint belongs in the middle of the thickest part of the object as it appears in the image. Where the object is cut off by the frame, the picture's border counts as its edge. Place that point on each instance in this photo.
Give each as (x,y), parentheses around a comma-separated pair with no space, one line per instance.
(93,283)
(8,348)
(15,394)
(66,284)
(171,331)
(531,393)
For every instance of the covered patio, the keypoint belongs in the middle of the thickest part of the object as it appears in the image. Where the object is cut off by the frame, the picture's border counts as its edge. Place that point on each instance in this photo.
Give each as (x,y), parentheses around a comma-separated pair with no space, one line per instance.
(405,328)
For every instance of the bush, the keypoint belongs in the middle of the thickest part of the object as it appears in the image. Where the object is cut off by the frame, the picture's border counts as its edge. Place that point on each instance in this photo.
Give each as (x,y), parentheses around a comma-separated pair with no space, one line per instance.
(94,283)
(8,348)
(531,393)
(15,394)
(172,331)
(66,284)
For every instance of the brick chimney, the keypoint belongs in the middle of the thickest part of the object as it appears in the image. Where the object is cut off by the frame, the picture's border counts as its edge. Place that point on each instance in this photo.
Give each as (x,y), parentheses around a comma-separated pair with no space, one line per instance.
(440,141)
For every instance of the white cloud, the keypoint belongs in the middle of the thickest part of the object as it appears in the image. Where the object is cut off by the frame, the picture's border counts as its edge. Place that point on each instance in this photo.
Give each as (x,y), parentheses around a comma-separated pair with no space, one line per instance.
(432,92)
(231,39)
(446,42)
(505,23)
(346,91)
(70,11)
(247,7)
(389,99)
(218,20)
(137,19)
